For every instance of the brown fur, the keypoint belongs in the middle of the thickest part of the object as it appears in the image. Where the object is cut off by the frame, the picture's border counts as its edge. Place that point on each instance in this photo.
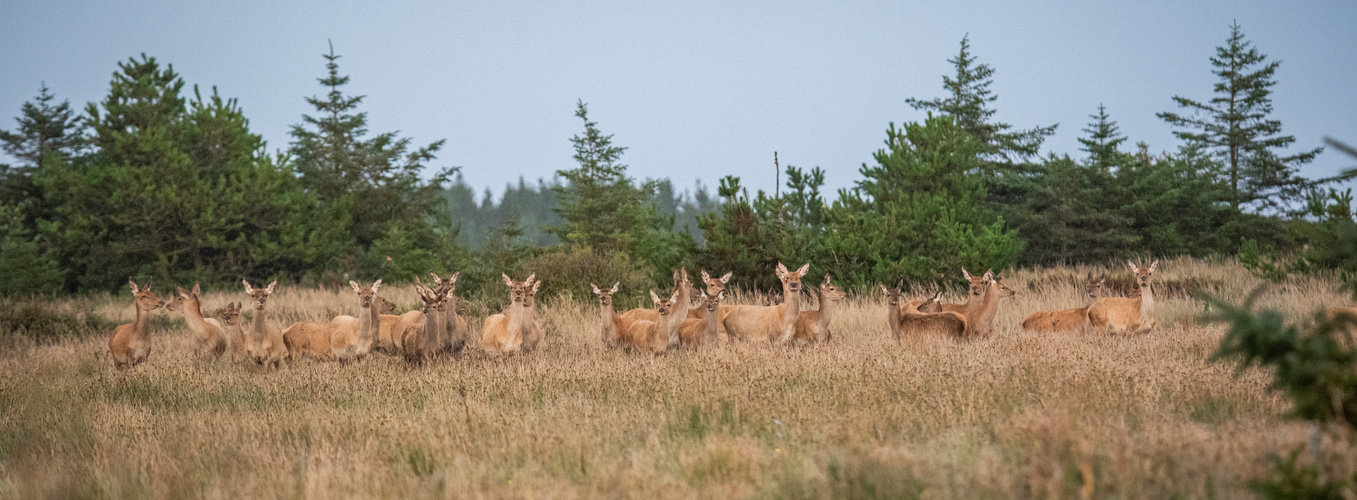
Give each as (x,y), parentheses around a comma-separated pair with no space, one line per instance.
(455,334)
(266,345)
(420,344)
(532,331)
(130,344)
(1127,315)
(211,342)
(975,294)
(654,336)
(349,345)
(982,323)
(1068,319)
(502,334)
(704,328)
(769,323)
(711,288)
(235,337)
(920,317)
(612,324)
(813,326)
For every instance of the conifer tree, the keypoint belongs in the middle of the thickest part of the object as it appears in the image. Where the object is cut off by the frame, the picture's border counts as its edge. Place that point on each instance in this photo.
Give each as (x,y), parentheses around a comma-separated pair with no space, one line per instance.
(1235,127)
(47,131)
(1102,141)
(601,208)
(968,103)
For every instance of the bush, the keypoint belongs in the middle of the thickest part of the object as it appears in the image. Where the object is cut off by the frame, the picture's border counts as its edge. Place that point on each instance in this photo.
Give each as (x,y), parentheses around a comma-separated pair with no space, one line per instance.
(43,322)
(568,272)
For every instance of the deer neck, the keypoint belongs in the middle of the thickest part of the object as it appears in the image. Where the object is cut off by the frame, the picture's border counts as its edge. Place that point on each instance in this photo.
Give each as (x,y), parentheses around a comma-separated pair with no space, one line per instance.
(609,327)
(365,322)
(516,313)
(827,310)
(989,307)
(143,317)
(1146,301)
(712,320)
(976,303)
(258,325)
(432,326)
(193,315)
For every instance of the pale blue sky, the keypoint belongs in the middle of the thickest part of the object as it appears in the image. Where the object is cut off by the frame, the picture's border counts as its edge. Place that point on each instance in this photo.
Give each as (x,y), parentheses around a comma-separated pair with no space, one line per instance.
(694,89)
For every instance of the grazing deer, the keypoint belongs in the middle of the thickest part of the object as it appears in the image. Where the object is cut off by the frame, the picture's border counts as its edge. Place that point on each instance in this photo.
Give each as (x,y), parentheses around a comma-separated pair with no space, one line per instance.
(1068,319)
(502,333)
(266,340)
(456,334)
(211,343)
(613,325)
(813,326)
(712,287)
(770,323)
(235,337)
(983,322)
(920,317)
(694,331)
(1126,314)
(421,343)
(654,336)
(975,295)
(346,345)
(131,343)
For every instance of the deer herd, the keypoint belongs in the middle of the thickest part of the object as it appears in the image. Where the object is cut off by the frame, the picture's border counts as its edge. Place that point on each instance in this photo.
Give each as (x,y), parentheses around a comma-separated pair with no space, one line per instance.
(438,330)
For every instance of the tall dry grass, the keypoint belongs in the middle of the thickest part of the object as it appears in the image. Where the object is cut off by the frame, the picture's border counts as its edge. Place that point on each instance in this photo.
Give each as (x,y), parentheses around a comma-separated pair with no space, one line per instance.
(1016,415)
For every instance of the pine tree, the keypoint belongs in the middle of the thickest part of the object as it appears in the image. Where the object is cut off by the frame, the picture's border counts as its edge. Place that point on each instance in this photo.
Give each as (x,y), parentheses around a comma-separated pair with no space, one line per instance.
(1234,126)
(968,103)
(600,206)
(1102,141)
(46,132)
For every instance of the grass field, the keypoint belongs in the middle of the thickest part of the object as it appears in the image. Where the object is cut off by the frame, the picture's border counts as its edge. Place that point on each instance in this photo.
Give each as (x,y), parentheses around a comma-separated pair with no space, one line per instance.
(1016,415)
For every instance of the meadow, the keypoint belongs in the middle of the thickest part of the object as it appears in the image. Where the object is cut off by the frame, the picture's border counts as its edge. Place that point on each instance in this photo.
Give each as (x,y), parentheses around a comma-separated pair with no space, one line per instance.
(1016,415)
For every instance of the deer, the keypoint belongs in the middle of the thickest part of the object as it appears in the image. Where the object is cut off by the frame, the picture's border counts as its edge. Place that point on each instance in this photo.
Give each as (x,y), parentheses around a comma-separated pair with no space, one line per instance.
(532,331)
(770,323)
(655,336)
(920,317)
(419,344)
(130,344)
(982,323)
(975,296)
(613,325)
(1126,314)
(1068,319)
(235,337)
(641,313)
(315,339)
(502,334)
(456,333)
(346,345)
(712,286)
(211,342)
(266,340)
(694,331)
(813,326)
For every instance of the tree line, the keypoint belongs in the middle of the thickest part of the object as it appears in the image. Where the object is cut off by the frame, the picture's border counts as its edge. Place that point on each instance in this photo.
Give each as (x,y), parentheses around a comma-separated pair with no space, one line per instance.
(161,180)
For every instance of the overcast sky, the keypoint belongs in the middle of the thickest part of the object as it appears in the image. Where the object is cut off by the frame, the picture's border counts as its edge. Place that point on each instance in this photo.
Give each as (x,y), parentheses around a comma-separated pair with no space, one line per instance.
(695,90)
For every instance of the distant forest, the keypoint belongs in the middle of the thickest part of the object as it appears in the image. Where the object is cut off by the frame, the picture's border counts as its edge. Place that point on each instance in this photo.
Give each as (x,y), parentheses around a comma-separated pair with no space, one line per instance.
(163,180)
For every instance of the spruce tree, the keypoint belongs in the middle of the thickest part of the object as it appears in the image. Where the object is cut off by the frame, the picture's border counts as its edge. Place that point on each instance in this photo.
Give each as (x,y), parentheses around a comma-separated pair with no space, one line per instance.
(1235,127)
(1102,141)
(968,103)
(600,207)
(47,131)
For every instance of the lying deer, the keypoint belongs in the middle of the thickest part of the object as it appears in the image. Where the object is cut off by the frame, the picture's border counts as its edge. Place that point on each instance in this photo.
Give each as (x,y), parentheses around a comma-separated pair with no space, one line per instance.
(502,333)
(975,297)
(694,331)
(769,323)
(920,317)
(655,336)
(130,344)
(813,326)
(266,344)
(1068,319)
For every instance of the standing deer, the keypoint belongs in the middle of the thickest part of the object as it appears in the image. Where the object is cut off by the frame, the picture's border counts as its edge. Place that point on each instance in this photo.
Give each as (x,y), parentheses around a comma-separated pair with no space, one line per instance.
(456,334)
(1126,314)
(349,345)
(975,297)
(920,317)
(694,331)
(130,344)
(211,343)
(770,323)
(532,331)
(983,322)
(654,336)
(502,333)
(1068,319)
(813,326)
(235,337)
(613,325)
(266,340)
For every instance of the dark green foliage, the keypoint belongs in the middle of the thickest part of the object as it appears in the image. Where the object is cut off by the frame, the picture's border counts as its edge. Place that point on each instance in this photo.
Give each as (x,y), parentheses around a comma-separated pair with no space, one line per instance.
(1065,213)
(28,267)
(918,212)
(47,132)
(41,321)
(968,103)
(1235,127)
(1293,480)
(750,236)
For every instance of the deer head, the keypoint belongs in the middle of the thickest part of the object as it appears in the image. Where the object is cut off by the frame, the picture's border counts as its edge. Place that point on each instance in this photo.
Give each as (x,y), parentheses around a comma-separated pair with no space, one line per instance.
(932,304)
(260,296)
(892,294)
(977,283)
(791,280)
(144,297)
(713,302)
(715,285)
(664,306)
(1094,288)
(605,297)
(1143,275)
(365,293)
(518,290)
(831,292)
(231,315)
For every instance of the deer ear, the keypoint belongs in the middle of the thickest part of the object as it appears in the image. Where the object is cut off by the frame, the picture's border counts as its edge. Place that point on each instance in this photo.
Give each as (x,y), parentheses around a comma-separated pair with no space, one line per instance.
(705,276)
(506,279)
(1134,269)
(531,277)
(781,270)
(805,268)
(133,284)
(615,285)
(247,286)
(536,284)
(376,284)
(883,287)
(966,274)
(720,295)
(436,279)
(826,277)
(181,291)
(354,285)
(1154,266)
(674,297)
(937,297)
(989,274)
(596,290)
(725,278)
(272,284)
(654,297)
(196,289)
(454,276)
